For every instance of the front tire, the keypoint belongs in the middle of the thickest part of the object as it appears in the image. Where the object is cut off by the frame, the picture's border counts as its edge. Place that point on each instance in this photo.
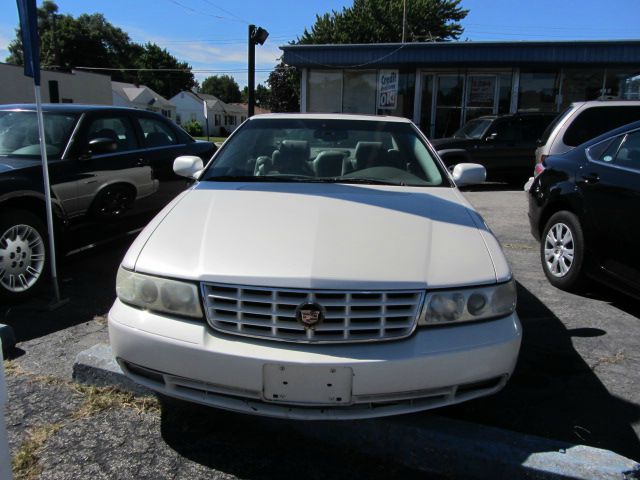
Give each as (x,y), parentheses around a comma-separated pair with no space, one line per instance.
(23,255)
(562,251)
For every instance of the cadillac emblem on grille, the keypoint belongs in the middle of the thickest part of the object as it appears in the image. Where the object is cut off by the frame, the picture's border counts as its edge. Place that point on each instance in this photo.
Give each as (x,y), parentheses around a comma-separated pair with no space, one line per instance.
(309,315)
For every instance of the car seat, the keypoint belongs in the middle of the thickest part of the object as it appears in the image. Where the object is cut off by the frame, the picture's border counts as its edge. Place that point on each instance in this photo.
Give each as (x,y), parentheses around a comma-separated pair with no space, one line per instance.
(369,154)
(292,158)
(328,164)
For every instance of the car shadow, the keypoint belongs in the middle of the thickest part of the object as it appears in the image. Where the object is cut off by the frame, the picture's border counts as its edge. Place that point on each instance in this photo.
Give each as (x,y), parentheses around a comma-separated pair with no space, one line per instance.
(248,446)
(87,279)
(553,392)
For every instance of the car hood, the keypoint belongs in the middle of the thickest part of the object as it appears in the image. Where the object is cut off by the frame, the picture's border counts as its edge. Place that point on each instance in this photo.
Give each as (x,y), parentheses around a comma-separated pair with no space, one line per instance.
(8,164)
(326,236)
(450,142)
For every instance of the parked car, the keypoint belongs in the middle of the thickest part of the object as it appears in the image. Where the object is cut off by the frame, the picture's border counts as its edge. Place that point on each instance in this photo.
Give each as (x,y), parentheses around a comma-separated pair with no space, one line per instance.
(322,267)
(503,144)
(583,208)
(581,122)
(111,170)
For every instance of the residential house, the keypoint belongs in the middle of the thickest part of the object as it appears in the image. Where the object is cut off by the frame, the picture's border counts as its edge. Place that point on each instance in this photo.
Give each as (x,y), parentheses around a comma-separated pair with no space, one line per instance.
(143,98)
(223,118)
(56,87)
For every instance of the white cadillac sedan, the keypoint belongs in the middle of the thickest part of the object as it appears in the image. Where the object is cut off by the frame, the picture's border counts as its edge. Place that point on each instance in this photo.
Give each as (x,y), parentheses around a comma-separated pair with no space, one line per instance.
(321,267)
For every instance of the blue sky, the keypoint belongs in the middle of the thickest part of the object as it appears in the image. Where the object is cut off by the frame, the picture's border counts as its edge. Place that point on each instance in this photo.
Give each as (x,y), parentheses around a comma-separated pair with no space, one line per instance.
(211,34)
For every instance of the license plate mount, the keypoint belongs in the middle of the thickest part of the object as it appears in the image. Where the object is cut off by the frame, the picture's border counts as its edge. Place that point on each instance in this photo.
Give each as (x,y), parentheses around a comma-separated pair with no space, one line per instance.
(310,385)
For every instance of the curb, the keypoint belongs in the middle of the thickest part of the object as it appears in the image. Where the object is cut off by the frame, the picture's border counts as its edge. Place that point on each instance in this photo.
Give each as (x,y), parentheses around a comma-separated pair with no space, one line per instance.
(438,445)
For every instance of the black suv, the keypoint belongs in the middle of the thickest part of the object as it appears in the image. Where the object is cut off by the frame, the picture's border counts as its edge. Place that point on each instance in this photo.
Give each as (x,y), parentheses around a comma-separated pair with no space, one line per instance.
(111,170)
(504,144)
(583,207)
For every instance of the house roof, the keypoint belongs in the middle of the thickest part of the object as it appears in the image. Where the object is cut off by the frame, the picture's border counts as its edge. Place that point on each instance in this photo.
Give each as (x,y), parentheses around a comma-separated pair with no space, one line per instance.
(140,94)
(521,53)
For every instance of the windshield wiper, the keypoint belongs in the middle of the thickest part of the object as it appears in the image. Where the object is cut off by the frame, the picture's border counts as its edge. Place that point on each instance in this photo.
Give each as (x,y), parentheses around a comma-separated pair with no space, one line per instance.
(366,181)
(261,178)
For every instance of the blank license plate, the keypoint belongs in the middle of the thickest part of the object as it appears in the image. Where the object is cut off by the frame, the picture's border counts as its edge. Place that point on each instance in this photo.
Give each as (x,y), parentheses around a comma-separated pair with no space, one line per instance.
(307,384)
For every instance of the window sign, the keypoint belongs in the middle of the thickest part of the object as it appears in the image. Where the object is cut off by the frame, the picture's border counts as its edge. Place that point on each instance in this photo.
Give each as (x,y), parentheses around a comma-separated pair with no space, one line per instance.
(387,89)
(482,90)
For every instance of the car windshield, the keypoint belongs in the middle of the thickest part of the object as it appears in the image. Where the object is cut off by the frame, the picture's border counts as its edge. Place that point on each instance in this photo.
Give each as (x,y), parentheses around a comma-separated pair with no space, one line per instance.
(19,133)
(473,129)
(326,150)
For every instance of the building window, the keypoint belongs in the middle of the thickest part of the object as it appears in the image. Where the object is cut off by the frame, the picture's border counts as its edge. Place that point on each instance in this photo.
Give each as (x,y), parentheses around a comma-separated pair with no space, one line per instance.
(538,91)
(193,117)
(166,113)
(324,91)
(216,119)
(580,85)
(178,119)
(359,92)
(622,84)
(243,118)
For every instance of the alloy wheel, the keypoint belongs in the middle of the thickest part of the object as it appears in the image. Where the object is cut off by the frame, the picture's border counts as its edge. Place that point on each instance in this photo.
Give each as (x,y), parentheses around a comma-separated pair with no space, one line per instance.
(22,258)
(559,250)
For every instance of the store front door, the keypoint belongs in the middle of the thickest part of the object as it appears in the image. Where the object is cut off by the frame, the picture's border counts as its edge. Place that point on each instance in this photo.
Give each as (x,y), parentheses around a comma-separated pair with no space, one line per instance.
(449,100)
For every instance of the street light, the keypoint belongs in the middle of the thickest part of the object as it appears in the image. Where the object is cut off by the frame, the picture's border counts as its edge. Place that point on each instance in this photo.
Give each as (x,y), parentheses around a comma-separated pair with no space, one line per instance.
(256,35)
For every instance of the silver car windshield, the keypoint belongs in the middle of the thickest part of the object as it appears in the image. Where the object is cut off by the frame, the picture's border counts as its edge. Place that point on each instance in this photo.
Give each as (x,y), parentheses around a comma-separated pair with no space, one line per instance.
(327,150)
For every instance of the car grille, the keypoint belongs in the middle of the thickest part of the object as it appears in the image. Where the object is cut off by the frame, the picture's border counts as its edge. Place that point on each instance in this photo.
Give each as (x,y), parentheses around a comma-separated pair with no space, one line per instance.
(349,316)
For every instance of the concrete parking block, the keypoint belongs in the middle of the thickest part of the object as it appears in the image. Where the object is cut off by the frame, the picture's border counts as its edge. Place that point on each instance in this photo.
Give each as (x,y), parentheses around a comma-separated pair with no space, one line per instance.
(436,445)
(8,338)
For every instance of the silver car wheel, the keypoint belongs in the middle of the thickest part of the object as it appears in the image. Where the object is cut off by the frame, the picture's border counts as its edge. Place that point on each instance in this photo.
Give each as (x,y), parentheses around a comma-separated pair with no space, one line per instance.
(22,257)
(559,250)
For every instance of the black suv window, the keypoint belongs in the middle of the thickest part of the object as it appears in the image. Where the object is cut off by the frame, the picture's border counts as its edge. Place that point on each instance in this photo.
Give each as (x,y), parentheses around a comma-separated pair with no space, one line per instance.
(595,121)
(117,128)
(505,130)
(157,133)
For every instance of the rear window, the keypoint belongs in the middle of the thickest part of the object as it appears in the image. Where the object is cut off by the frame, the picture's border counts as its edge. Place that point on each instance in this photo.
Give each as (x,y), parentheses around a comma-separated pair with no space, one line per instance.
(595,121)
(547,132)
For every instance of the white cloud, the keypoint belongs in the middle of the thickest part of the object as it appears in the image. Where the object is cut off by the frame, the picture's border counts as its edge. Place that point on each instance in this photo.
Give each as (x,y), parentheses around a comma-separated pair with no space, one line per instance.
(218,58)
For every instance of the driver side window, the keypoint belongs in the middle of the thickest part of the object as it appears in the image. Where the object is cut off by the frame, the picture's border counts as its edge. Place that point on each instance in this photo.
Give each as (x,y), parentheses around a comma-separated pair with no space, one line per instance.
(115,128)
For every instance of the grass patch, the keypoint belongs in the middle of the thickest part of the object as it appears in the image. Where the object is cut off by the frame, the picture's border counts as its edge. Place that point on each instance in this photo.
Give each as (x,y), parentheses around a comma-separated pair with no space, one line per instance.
(99,399)
(212,139)
(25,462)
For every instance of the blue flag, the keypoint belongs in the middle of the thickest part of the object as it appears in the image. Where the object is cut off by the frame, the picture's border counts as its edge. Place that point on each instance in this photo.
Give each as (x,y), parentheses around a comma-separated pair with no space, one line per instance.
(30,42)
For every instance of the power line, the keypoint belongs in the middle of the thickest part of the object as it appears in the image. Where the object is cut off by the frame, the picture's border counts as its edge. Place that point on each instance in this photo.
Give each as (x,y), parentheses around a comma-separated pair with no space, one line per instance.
(226,11)
(169,70)
(200,12)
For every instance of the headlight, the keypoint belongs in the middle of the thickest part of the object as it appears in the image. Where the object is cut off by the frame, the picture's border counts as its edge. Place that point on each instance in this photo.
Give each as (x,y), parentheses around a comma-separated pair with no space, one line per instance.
(158,294)
(464,305)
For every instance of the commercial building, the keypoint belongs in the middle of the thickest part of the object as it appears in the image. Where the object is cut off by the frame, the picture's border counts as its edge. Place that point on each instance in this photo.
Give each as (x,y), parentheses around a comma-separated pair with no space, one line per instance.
(56,87)
(442,85)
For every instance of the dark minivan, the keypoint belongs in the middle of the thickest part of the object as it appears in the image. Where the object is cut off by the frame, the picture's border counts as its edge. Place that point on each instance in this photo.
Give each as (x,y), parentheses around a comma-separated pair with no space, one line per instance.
(111,171)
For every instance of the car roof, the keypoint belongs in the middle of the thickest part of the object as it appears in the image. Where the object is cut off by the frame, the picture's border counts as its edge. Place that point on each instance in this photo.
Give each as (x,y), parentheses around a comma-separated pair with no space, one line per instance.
(614,103)
(330,116)
(64,107)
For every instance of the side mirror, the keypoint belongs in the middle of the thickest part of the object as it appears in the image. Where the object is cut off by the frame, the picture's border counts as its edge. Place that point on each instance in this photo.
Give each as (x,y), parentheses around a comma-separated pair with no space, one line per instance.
(469,174)
(492,137)
(188,166)
(102,145)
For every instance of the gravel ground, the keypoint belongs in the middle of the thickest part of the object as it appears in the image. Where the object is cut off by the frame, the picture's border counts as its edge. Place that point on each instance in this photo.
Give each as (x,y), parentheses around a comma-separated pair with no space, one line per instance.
(577,380)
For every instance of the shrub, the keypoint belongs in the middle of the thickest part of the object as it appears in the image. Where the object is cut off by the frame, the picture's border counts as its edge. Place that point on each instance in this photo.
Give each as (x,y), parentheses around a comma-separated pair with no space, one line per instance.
(193,128)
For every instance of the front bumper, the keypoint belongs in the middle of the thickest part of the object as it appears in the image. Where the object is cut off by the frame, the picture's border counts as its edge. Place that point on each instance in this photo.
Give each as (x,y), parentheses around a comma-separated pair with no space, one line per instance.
(432,368)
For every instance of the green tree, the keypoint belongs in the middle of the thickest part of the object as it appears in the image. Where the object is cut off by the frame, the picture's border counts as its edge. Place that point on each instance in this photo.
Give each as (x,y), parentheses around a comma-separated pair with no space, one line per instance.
(284,82)
(222,86)
(91,41)
(166,83)
(262,96)
(379,21)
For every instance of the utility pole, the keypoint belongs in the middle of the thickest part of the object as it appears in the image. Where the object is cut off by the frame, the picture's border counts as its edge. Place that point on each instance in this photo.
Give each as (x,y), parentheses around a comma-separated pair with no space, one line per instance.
(256,35)
(404,19)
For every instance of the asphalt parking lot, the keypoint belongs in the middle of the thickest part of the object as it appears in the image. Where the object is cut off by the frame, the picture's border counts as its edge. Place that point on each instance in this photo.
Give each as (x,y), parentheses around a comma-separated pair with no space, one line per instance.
(577,380)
